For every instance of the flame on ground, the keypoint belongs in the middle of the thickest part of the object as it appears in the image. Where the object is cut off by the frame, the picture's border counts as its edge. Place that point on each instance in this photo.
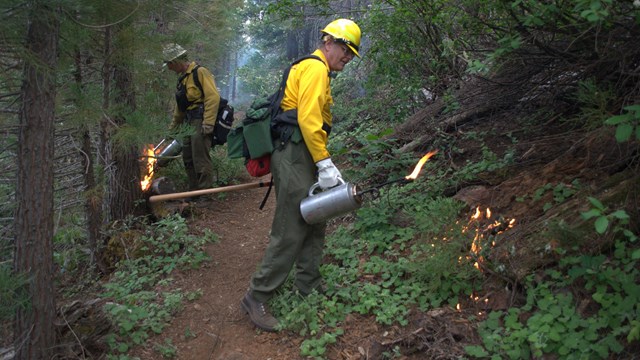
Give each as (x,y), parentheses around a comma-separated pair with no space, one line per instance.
(496,227)
(149,157)
(418,167)
(485,229)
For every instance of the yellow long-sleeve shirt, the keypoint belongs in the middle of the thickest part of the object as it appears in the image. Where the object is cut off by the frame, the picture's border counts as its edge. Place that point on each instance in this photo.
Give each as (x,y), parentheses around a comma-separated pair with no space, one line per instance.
(211,96)
(308,90)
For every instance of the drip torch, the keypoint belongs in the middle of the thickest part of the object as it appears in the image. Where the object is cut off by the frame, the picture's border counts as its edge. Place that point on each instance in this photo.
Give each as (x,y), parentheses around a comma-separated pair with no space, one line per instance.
(320,206)
(167,150)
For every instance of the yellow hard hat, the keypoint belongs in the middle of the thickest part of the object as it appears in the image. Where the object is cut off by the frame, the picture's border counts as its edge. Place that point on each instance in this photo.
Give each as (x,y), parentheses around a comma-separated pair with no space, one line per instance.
(344,31)
(171,52)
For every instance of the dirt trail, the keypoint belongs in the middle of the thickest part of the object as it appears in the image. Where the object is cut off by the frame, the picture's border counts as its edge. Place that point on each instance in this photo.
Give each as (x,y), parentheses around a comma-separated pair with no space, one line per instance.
(213,326)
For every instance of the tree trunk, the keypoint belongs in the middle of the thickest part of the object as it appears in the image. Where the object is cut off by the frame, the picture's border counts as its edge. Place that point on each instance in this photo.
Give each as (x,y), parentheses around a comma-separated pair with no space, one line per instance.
(293,51)
(124,184)
(234,78)
(104,158)
(307,43)
(93,204)
(93,195)
(34,336)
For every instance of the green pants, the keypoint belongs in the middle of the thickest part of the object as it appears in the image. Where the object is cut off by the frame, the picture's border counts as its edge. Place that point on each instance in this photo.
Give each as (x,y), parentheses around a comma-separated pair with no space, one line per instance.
(197,159)
(293,241)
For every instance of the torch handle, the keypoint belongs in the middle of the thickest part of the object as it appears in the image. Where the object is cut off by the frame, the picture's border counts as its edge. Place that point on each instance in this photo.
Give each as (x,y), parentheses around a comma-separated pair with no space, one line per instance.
(186,194)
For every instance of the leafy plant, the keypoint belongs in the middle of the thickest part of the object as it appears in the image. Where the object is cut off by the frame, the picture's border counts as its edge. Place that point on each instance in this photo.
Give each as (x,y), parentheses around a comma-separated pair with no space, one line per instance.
(136,307)
(317,347)
(626,124)
(561,192)
(554,324)
(167,350)
(13,292)
(594,101)
(490,162)
(602,218)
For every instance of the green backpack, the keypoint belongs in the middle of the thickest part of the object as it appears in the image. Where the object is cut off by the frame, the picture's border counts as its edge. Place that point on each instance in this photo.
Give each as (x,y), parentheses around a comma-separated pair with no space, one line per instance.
(252,139)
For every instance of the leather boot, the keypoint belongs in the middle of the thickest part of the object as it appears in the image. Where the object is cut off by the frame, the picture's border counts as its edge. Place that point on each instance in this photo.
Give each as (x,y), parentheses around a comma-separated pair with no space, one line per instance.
(258,313)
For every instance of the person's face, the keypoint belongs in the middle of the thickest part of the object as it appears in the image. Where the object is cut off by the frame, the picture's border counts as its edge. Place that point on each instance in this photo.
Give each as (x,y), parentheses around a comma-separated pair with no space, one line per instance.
(173,66)
(338,55)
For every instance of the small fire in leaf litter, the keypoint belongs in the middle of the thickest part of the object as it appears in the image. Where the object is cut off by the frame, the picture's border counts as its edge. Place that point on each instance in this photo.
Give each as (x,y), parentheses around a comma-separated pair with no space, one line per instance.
(491,229)
(150,158)
(418,167)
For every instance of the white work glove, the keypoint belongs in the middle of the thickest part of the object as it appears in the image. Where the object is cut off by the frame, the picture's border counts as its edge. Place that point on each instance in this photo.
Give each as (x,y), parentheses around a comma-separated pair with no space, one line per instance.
(207,129)
(328,174)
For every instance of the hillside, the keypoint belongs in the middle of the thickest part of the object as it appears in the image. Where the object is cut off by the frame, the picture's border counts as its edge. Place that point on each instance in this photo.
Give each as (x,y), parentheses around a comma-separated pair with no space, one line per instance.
(548,170)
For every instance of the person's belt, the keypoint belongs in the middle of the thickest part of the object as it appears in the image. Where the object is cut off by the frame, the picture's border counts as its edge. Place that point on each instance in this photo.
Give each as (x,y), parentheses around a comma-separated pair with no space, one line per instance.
(195,113)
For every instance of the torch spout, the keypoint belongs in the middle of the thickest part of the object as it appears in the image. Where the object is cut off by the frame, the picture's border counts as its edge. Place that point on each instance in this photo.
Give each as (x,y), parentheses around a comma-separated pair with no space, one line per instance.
(376,188)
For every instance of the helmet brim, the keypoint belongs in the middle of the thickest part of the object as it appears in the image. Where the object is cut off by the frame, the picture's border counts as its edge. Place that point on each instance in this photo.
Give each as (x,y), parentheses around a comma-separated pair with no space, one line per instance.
(354,50)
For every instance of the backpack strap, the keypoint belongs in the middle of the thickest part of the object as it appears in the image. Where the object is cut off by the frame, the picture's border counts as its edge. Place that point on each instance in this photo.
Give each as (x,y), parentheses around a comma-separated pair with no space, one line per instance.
(196,80)
(274,106)
(276,99)
(266,196)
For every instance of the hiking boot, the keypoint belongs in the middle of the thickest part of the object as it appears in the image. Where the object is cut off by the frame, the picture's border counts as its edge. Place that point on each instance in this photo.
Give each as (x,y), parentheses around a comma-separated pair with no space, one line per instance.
(258,313)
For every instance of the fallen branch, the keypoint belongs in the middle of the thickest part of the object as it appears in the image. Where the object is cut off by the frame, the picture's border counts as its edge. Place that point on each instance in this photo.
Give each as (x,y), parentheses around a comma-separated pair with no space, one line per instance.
(403,338)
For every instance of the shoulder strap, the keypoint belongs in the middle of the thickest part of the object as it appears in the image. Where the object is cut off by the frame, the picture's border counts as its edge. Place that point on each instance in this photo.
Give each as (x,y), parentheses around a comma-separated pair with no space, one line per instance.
(196,80)
(279,95)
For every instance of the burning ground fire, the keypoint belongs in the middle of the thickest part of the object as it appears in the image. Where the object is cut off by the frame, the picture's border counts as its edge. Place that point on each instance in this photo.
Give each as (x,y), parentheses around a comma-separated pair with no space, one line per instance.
(149,159)
(485,231)
(490,230)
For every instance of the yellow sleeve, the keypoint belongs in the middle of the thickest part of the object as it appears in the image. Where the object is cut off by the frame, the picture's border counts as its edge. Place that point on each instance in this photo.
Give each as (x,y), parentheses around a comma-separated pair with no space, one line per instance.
(211,96)
(314,101)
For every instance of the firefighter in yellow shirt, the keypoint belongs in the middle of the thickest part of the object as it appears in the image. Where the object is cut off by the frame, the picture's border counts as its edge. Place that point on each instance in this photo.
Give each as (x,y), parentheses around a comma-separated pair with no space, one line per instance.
(301,154)
(198,107)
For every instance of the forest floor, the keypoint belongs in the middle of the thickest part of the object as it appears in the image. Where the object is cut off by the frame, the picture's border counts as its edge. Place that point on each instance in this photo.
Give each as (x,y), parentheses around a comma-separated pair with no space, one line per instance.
(548,158)
(214,326)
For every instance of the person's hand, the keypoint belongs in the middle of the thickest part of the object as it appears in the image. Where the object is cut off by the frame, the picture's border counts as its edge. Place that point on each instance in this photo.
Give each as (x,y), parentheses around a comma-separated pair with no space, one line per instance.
(328,174)
(207,129)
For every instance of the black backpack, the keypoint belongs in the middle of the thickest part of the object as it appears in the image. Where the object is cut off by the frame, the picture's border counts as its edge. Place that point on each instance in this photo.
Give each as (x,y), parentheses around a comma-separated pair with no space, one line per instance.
(252,139)
(224,118)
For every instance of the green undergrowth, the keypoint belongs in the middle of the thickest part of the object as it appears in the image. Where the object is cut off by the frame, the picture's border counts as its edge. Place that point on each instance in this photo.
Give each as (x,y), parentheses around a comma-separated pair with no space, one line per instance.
(13,295)
(402,252)
(408,249)
(137,304)
(588,307)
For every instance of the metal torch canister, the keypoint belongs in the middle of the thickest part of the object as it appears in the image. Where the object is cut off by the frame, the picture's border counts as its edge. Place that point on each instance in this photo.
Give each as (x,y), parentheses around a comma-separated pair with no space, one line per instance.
(166,151)
(327,204)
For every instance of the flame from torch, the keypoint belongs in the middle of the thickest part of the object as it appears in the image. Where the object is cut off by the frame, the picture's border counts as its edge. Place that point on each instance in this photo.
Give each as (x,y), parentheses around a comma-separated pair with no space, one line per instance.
(405,179)
(145,183)
(418,167)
